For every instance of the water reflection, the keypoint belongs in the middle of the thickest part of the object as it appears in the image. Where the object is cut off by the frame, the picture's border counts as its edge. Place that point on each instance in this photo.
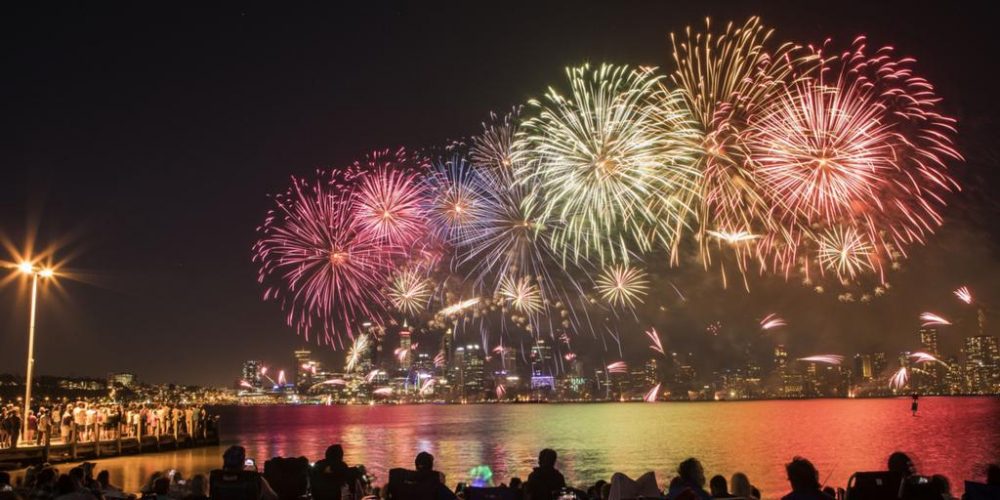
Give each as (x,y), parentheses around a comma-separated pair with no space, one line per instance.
(953,436)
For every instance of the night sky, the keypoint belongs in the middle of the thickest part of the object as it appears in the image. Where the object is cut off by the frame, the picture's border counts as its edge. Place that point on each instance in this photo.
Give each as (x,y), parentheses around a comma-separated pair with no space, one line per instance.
(143,139)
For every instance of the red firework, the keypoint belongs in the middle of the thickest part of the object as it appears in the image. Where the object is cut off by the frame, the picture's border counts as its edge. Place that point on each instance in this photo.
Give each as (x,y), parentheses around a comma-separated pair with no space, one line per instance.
(862,147)
(316,260)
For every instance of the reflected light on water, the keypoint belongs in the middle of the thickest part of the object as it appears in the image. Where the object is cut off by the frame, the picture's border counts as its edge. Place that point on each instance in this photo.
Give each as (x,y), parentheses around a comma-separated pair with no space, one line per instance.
(952,436)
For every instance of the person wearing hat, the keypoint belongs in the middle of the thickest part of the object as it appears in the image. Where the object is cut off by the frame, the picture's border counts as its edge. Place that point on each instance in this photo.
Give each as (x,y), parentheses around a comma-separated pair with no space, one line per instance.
(237,480)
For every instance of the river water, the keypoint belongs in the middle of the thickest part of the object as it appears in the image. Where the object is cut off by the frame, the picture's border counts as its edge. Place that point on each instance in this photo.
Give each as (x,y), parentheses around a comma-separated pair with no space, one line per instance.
(950,436)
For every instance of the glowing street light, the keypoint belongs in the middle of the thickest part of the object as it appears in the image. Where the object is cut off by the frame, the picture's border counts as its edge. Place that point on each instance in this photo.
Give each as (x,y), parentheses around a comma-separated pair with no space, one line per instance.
(28,268)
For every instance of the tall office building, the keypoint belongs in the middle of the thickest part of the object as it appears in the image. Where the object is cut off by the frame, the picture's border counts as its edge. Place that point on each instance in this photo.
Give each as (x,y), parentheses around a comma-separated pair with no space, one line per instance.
(542,366)
(251,373)
(982,363)
(929,340)
(305,368)
(470,367)
(405,345)
(862,370)
(879,364)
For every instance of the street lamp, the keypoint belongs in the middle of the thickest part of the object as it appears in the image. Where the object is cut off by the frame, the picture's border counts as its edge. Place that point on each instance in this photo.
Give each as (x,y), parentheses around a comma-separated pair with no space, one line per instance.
(35,273)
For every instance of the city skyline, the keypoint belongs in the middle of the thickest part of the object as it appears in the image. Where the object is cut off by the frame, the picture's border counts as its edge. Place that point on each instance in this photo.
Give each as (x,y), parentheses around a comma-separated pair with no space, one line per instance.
(155,278)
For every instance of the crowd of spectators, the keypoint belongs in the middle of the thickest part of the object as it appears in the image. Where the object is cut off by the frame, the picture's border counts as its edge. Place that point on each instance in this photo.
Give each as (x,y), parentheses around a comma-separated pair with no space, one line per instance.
(85,421)
(332,479)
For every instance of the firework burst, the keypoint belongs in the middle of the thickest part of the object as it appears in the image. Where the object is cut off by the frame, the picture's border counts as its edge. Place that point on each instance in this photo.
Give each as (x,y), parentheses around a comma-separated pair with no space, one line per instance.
(613,164)
(652,395)
(845,252)
(830,359)
(865,148)
(522,294)
(314,259)
(389,201)
(617,367)
(654,337)
(899,379)
(622,285)
(409,291)
(726,77)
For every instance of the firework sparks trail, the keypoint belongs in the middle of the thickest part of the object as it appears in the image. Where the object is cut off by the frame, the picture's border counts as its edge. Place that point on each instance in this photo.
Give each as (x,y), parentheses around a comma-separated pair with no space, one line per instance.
(932,319)
(654,337)
(501,391)
(618,367)
(923,357)
(427,387)
(652,395)
(383,391)
(964,294)
(358,349)
(244,383)
(371,376)
(439,359)
(830,359)
(459,306)
(772,321)
(899,379)
(263,373)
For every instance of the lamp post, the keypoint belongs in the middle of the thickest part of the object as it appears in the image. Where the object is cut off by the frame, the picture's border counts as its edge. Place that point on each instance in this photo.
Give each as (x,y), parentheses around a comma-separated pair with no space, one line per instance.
(30,269)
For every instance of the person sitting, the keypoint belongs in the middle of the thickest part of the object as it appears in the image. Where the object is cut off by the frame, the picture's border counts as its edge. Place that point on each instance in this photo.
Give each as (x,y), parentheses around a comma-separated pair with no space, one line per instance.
(741,487)
(804,479)
(545,481)
(198,488)
(718,488)
(234,482)
(331,475)
(690,481)
(424,483)
(45,484)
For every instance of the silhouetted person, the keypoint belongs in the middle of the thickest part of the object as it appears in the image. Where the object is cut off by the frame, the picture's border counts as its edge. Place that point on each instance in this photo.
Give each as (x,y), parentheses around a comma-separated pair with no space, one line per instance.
(234,482)
(424,483)
(331,477)
(804,479)
(993,475)
(718,488)
(690,481)
(913,405)
(741,487)
(901,464)
(545,481)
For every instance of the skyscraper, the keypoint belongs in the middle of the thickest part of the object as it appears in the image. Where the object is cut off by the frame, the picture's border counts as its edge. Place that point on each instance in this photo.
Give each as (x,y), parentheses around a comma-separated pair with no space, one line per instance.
(405,344)
(929,340)
(305,368)
(251,373)
(982,363)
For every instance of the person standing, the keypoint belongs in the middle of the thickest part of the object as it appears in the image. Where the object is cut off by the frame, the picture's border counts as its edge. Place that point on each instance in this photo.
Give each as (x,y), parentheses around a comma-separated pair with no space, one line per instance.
(913,405)
(44,426)
(13,422)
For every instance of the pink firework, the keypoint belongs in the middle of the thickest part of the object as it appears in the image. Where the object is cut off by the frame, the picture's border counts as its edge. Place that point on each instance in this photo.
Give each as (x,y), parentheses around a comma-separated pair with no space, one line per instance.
(830,359)
(383,391)
(654,337)
(244,383)
(772,321)
(427,387)
(932,319)
(569,356)
(326,272)
(439,359)
(652,395)
(923,357)
(389,201)
(861,145)
(618,367)
(964,294)
(501,391)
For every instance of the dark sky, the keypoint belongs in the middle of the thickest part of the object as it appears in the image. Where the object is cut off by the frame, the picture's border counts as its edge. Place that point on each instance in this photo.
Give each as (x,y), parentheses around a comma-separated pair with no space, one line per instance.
(145,136)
